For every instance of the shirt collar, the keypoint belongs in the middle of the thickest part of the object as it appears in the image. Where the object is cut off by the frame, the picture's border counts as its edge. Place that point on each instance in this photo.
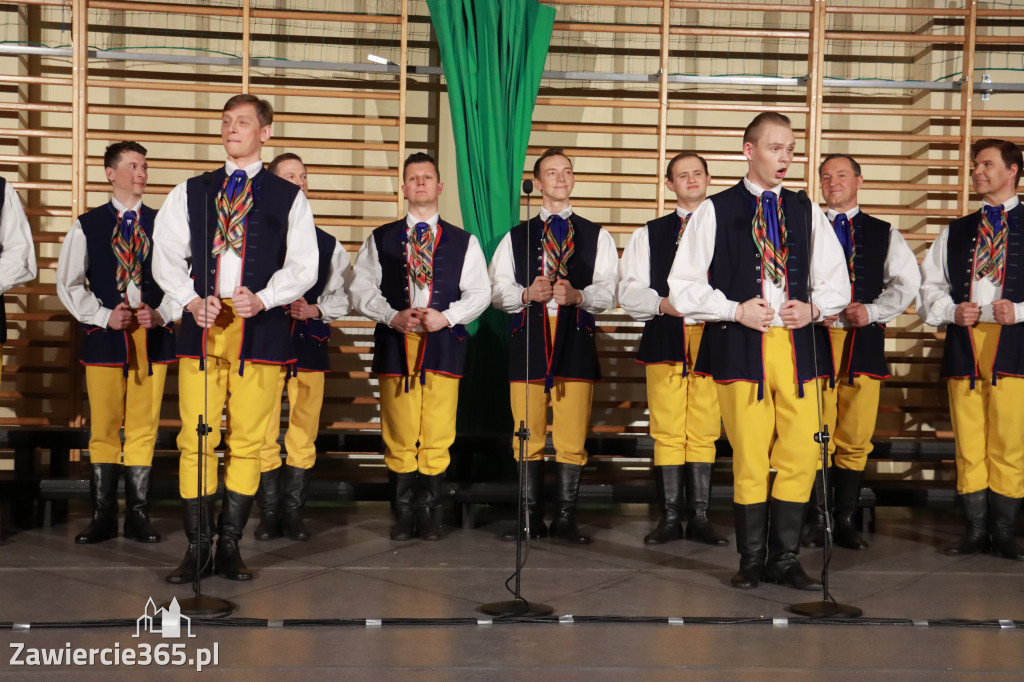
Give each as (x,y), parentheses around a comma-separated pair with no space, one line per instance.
(758,191)
(682,212)
(251,170)
(564,213)
(121,208)
(831,215)
(1008,205)
(410,222)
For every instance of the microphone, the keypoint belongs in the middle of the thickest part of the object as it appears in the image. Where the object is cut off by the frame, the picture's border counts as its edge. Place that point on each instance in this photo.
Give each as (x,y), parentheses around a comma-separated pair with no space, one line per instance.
(527,187)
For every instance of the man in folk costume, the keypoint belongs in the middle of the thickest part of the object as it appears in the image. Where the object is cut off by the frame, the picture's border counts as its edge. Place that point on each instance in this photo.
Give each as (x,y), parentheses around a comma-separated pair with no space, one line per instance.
(971,282)
(561,270)
(421,279)
(743,267)
(17,253)
(884,278)
(251,243)
(105,280)
(683,405)
(284,488)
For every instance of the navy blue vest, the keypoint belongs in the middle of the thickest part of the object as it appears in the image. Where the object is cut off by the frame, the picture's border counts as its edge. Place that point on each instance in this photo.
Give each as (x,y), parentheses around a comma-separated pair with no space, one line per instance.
(3,303)
(267,336)
(958,359)
(311,336)
(730,351)
(867,344)
(102,345)
(443,351)
(664,336)
(574,354)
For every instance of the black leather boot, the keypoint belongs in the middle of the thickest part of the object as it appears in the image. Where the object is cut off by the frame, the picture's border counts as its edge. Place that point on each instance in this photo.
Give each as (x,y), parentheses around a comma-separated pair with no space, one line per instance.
(847,496)
(200,542)
(564,527)
(975,537)
(698,499)
(103,489)
(428,507)
(534,502)
(1002,517)
(294,492)
(813,534)
(403,494)
(234,512)
(751,536)
(782,567)
(668,483)
(136,501)
(268,499)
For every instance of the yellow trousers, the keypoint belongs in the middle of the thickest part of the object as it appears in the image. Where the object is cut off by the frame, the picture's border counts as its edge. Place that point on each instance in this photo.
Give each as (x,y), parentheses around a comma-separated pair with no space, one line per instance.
(305,400)
(133,400)
(775,432)
(570,403)
(684,415)
(249,399)
(988,424)
(418,427)
(849,410)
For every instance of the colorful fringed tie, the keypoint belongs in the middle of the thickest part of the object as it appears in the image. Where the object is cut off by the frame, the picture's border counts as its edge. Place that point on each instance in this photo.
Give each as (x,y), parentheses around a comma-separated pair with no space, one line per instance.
(421,256)
(769,230)
(683,222)
(991,252)
(558,247)
(233,204)
(131,247)
(844,233)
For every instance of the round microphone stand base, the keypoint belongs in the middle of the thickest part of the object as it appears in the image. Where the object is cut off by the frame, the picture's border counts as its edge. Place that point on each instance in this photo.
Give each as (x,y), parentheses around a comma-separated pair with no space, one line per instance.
(516,608)
(212,607)
(826,609)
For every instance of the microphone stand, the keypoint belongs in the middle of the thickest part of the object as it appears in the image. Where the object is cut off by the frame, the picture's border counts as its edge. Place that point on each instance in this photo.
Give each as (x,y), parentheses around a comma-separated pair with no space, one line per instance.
(517,606)
(827,607)
(200,604)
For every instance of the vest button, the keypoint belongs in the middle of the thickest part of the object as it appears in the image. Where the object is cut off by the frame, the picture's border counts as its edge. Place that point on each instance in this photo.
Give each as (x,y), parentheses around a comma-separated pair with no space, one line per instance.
(214,271)
(758,280)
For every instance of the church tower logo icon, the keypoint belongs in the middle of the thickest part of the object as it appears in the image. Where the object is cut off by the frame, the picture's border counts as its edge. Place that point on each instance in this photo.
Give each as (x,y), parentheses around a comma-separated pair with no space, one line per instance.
(167,622)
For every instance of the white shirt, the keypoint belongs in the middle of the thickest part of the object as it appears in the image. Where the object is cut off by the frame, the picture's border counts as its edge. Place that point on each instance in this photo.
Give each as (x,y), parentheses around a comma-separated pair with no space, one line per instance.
(368,300)
(636,296)
(900,276)
(172,250)
(598,296)
(692,295)
(18,258)
(333,302)
(935,303)
(73,263)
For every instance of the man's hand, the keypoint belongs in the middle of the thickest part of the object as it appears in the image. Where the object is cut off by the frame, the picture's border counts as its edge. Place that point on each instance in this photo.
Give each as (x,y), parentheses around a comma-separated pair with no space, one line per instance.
(564,294)
(797,314)
(540,291)
(247,304)
(857,315)
(431,319)
(121,318)
(1004,311)
(966,314)
(830,320)
(204,310)
(147,317)
(406,320)
(666,308)
(300,310)
(756,314)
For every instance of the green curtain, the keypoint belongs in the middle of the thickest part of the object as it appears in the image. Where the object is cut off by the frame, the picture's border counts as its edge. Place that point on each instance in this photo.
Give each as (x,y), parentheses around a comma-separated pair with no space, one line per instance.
(493,54)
